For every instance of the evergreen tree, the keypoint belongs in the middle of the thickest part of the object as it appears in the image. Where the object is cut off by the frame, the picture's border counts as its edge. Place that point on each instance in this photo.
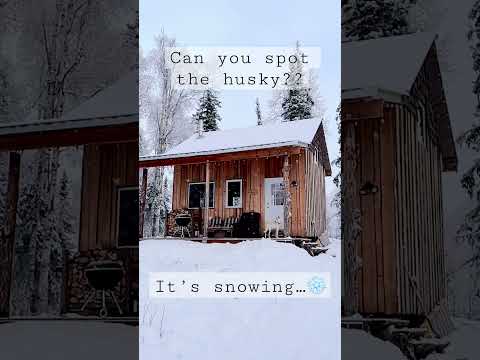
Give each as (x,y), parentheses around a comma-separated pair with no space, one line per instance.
(298,102)
(207,112)
(469,231)
(369,19)
(64,214)
(258,112)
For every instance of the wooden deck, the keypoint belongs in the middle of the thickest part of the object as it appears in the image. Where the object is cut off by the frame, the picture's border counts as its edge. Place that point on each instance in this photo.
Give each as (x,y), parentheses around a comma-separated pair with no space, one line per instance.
(226,239)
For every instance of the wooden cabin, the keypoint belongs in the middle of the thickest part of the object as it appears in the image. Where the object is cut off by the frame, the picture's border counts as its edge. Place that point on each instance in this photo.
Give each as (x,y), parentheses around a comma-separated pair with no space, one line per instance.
(105,128)
(396,143)
(264,169)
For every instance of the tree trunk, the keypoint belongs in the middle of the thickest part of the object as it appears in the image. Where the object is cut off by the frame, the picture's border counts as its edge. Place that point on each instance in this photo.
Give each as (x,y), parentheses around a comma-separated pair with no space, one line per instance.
(7,245)
(143,199)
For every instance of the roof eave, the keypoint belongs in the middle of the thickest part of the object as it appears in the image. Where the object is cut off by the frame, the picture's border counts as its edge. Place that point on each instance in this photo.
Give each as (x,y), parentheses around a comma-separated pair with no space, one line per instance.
(224,151)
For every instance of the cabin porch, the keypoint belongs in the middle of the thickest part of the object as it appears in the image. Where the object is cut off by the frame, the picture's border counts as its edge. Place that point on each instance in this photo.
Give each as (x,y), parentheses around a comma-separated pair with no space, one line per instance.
(236,191)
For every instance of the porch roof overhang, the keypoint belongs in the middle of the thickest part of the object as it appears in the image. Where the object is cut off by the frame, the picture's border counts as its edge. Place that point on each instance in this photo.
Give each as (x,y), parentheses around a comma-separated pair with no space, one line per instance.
(264,151)
(63,133)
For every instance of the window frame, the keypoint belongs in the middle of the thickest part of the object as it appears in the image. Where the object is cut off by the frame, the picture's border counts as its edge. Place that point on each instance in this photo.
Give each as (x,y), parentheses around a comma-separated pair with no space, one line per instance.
(118,190)
(241,193)
(200,183)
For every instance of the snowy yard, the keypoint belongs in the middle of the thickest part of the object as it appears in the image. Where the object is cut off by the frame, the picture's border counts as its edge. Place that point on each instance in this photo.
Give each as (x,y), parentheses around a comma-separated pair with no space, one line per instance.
(464,345)
(217,329)
(72,340)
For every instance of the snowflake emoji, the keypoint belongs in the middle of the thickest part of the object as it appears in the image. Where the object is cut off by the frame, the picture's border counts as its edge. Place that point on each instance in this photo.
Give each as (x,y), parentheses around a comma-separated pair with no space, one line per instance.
(317,285)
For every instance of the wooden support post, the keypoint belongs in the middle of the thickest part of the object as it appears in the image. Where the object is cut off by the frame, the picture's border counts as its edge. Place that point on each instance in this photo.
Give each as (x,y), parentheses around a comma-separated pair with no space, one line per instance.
(7,237)
(287,213)
(143,200)
(207,200)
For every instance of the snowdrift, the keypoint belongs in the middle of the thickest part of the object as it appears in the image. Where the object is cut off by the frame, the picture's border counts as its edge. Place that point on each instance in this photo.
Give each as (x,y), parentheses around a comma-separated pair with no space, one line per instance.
(238,329)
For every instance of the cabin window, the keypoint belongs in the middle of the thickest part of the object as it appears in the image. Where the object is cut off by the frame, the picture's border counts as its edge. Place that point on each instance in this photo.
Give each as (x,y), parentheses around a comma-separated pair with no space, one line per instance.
(127,217)
(196,195)
(278,194)
(234,194)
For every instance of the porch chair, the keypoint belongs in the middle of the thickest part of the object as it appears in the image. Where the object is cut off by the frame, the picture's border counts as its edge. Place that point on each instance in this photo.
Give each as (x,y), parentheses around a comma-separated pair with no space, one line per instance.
(218,224)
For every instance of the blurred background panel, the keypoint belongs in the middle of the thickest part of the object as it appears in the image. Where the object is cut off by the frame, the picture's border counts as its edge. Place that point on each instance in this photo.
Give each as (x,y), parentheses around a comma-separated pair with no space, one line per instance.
(68,171)
(409,150)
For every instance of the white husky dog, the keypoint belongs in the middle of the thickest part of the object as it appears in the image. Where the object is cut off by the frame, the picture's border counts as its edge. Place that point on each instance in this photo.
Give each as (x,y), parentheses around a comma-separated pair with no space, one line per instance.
(272,225)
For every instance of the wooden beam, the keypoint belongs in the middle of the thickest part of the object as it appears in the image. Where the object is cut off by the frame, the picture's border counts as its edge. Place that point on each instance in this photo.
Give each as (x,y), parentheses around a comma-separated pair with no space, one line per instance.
(143,200)
(240,155)
(287,213)
(70,137)
(207,200)
(8,234)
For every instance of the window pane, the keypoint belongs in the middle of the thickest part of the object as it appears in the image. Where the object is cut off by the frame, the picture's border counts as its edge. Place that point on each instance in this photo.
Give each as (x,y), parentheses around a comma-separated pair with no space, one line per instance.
(127,217)
(196,193)
(234,194)
(212,195)
(278,194)
(196,196)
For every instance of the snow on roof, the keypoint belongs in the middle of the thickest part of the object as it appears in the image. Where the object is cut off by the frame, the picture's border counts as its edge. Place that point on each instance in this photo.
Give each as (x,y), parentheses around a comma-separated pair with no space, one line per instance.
(388,64)
(115,105)
(119,99)
(289,133)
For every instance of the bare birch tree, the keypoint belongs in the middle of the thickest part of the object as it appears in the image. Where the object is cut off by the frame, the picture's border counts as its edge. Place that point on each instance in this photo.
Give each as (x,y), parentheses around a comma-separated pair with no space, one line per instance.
(165,121)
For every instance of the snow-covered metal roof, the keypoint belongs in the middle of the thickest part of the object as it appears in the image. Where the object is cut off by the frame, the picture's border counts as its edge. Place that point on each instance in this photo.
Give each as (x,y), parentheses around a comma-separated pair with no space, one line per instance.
(115,105)
(118,100)
(300,133)
(289,133)
(386,65)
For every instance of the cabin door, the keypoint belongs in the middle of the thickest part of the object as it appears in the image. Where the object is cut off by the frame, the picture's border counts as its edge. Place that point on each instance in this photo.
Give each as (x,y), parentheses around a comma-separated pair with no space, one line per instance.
(274,198)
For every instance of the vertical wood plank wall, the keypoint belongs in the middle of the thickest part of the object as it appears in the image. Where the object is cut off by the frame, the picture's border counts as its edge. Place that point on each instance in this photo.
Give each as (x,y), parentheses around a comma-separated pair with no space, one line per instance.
(377,288)
(419,223)
(315,207)
(401,241)
(105,168)
(253,173)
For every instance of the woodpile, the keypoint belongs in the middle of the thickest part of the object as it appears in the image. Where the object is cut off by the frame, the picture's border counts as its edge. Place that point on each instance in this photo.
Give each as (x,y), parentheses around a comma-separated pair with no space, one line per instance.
(78,287)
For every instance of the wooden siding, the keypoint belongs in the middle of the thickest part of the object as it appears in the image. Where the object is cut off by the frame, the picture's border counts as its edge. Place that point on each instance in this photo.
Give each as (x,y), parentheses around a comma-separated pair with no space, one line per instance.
(419,224)
(253,173)
(105,168)
(374,159)
(401,240)
(315,206)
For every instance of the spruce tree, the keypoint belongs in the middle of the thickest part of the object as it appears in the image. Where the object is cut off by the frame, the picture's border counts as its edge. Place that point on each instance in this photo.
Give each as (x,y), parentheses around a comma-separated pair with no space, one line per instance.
(207,112)
(298,102)
(469,231)
(369,19)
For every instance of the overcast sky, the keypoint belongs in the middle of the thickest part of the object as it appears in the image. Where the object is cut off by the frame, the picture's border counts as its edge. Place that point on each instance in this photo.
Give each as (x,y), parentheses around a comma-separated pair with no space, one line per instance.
(254,23)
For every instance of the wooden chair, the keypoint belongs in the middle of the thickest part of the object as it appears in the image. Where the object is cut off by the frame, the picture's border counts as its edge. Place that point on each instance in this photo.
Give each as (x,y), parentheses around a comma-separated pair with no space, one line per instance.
(218,224)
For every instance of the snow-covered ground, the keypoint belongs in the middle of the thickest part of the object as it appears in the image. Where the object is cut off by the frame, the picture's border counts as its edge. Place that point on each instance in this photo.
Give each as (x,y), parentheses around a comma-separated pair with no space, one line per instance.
(72,340)
(464,344)
(238,329)
(357,344)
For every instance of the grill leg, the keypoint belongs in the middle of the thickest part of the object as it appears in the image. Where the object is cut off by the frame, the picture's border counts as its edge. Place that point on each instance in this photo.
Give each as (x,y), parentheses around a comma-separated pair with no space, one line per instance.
(89,298)
(112,294)
(103,310)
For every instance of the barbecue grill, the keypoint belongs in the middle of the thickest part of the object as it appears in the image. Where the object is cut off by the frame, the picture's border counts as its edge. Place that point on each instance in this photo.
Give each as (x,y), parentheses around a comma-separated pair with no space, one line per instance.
(103,276)
(182,221)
